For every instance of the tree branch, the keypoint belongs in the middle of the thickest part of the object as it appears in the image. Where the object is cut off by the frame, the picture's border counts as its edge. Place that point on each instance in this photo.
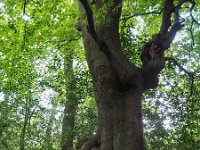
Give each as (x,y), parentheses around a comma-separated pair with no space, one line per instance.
(166,18)
(190,74)
(177,23)
(64,42)
(161,41)
(193,21)
(90,27)
(142,14)
(191,87)
(169,30)
(24,36)
(24,7)
(192,35)
(191,9)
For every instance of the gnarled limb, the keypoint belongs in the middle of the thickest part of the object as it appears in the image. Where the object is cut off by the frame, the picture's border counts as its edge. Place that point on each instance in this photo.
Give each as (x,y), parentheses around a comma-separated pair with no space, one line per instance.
(152,56)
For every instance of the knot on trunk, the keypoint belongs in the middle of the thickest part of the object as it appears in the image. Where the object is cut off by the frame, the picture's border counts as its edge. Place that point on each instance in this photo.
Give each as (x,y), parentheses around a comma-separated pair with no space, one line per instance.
(153,49)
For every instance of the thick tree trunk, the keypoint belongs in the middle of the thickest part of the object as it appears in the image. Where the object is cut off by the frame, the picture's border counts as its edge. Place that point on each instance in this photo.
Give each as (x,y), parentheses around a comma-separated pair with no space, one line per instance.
(119,104)
(118,84)
(120,120)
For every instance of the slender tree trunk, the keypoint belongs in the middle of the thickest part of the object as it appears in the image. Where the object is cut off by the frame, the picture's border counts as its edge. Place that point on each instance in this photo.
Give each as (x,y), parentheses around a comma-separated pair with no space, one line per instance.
(70,107)
(5,113)
(24,128)
(48,138)
(27,117)
(68,127)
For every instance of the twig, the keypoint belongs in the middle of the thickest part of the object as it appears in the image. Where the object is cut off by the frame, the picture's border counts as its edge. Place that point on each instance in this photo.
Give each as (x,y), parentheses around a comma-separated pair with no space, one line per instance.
(193,21)
(65,42)
(142,14)
(181,2)
(24,7)
(24,13)
(192,35)
(24,41)
(191,87)
(70,40)
(191,9)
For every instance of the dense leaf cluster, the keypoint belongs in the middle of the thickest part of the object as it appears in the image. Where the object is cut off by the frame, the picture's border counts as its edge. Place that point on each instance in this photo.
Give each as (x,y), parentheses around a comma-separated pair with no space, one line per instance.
(39,41)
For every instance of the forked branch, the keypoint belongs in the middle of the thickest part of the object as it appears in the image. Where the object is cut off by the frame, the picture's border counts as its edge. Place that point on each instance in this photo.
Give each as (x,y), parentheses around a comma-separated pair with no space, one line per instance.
(90,27)
(152,55)
(121,71)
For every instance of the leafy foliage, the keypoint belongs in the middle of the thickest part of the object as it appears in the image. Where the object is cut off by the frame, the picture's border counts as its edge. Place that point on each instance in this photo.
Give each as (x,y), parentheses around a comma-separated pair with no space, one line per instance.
(38,37)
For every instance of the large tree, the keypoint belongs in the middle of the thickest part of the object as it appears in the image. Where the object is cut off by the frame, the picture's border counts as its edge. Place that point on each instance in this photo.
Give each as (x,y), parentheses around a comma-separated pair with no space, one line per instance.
(119,84)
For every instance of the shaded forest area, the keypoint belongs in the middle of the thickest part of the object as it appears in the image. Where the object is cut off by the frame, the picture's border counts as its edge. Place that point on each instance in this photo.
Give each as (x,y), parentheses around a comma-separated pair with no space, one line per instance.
(99,75)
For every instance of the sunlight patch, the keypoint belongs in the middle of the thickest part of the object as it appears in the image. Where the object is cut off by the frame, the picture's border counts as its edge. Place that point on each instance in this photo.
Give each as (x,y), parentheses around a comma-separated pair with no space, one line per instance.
(46,97)
(2,97)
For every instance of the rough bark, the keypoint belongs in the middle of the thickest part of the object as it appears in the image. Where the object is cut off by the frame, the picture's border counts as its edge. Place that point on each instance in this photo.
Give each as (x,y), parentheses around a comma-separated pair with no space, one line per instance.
(118,84)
